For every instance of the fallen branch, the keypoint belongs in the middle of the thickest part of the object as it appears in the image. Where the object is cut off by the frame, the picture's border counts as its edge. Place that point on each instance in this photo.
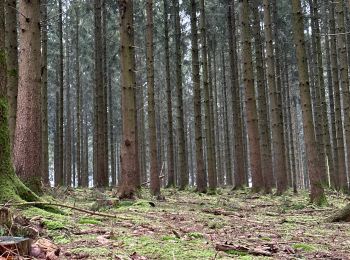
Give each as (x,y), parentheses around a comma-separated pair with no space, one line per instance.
(59,205)
(245,249)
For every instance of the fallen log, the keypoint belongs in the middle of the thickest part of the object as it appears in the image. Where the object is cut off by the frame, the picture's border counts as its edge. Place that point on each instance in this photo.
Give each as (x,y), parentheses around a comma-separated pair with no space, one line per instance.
(342,215)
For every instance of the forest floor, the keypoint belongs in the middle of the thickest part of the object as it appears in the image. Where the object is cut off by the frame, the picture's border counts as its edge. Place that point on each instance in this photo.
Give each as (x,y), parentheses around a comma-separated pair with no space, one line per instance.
(187,225)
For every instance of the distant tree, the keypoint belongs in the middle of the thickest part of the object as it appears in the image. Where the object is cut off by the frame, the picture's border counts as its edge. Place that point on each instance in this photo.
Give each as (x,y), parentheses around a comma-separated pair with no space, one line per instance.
(170,150)
(155,183)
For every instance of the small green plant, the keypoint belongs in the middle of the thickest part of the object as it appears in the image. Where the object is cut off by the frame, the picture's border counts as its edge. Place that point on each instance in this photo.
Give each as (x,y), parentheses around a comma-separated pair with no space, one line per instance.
(195,235)
(89,221)
(304,247)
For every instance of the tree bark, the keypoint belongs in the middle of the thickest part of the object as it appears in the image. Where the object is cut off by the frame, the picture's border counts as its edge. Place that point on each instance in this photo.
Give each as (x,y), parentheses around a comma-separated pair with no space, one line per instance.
(239,151)
(27,147)
(251,109)
(128,150)
(317,195)
(44,108)
(200,176)
(182,161)
(171,176)
(11,63)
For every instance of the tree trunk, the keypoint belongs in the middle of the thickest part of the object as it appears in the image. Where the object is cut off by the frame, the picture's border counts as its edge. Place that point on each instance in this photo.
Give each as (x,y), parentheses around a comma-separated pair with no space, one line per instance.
(344,77)
(207,119)
(340,150)
(101,166)
(251,109)
(239,152)
(59,177)
(78,95)
(68,128)
(171,176)
(11,63)
(182,161)
(27,147)
(44,108)
(128,150)
(317,195)
(155,183)
(200,177)
(265,146)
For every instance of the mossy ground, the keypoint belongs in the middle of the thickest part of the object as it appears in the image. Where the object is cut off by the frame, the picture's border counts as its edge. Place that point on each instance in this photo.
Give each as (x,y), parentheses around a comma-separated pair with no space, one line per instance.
(189,225)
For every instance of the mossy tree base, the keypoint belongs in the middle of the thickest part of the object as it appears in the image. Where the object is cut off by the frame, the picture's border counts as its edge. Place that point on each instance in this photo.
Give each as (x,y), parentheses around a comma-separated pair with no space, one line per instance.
(342,215)
(11,187)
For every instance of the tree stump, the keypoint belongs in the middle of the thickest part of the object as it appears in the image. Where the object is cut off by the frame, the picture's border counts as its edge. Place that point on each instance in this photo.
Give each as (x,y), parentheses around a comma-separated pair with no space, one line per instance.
(15,246)
(342,215)
(5,217)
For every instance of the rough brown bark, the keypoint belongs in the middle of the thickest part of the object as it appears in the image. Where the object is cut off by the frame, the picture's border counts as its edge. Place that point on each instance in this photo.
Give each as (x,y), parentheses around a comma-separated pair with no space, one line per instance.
(44,108)
(27,147)
(340,150)
(11,63)
(344,80)
(317,195)
(155,183)
(207,119)
(101,113)
(239,152)
(182,160)
(263,112)
(170,148)
(200,177)
(251,109)
(129,167)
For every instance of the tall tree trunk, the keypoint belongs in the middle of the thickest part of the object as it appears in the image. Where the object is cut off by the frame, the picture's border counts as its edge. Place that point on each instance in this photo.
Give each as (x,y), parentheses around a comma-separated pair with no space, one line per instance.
(341,167)
(59,175)
(276,106)
(68,130)
(27,147)
(78,95)
(208,126)
(182,161)
(111,130)
(330,86)
(11,189)
(155,183)
(239,152)
(317,195)
(265,146)
(170,148)
(44,104)
(11,63)
(200,177)
(344,77)
(251,109)
(101,167)
(128,153)
(229,176)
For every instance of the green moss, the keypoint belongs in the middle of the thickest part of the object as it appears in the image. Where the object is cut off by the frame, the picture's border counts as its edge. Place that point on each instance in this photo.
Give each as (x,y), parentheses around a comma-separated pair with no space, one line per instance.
(195,235)
(304,247)
(91,251)
(54,225)
(11,188)
(236,253)
(89,221)
(166,248)
(62,240)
